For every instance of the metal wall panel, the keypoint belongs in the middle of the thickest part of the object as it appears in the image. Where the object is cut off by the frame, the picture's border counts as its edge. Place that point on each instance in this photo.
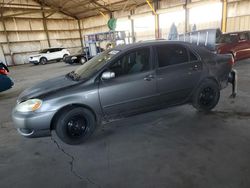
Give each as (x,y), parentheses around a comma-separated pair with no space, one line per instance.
(171,3)
(167,19)
(238,16)
(62,24)
(144,27)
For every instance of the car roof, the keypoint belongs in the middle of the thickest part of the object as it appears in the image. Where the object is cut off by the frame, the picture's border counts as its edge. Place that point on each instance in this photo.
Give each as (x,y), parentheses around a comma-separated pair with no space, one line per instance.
(53,48)
(148,43)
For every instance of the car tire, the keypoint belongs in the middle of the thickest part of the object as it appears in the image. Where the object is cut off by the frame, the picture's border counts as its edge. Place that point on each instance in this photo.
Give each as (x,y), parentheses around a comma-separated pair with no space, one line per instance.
(206,96)
(64,56)
(43,61)
(75,126)
(82,60)
(36,63)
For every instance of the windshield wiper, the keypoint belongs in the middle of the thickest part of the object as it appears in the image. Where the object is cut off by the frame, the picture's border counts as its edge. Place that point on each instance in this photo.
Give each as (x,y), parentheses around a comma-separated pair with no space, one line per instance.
(74,76)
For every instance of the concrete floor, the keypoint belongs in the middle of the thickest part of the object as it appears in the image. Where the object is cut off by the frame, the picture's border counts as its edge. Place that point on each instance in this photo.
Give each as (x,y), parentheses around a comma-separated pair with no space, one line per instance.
(171,148)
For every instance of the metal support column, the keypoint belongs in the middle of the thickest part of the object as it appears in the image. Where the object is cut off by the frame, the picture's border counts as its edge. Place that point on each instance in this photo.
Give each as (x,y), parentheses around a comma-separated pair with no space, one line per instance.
(45,26)
(80,32)
(186,16)
(157,26)
(132,26)
(7,39)
(224,16)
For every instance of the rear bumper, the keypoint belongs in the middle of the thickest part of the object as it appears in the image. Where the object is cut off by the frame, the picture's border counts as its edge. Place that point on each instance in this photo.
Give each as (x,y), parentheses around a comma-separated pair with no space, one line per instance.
(233,79)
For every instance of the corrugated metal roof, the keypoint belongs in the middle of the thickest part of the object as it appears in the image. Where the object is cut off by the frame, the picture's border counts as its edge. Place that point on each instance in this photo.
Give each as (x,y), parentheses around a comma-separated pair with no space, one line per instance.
(86,8)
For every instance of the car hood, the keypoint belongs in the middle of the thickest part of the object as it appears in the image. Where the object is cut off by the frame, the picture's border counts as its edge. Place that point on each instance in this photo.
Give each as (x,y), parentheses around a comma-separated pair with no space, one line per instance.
(46,87)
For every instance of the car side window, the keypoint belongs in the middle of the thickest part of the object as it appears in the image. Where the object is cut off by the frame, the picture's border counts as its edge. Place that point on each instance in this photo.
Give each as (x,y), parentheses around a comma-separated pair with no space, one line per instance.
(171,55)
(51,50)
(134,62)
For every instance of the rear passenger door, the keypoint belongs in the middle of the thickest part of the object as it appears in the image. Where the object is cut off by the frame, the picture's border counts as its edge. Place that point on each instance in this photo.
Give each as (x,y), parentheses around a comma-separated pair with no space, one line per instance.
(178,72)
(57,53)
(49,54)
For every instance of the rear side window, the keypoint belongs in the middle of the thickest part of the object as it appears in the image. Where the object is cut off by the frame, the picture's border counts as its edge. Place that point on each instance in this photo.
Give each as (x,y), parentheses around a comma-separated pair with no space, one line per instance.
(171,55)
(52,50)
(228,38)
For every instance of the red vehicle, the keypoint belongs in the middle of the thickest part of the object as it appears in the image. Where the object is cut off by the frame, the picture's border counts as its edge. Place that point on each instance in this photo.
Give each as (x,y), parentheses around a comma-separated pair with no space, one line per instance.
(236,43)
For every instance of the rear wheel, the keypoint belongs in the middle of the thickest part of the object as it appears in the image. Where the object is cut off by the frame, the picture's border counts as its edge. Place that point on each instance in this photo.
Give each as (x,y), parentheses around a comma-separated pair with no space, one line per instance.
(43,61)
(75,126)
(206,96)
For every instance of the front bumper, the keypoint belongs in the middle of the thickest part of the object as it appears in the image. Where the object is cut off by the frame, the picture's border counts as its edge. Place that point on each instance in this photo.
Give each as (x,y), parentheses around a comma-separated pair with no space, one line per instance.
(32,124)
(233,79)
(70,59)
(34,61)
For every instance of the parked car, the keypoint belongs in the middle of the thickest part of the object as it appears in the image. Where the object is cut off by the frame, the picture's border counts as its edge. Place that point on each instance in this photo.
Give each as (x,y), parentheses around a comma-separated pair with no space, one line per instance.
(5,81)
(121,82)
(49,54)
(237,43)
(82,56)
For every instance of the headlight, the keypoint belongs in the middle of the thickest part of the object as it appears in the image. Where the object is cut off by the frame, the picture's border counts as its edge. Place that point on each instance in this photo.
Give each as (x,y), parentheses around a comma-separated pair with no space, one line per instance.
(74,57)
(29,105)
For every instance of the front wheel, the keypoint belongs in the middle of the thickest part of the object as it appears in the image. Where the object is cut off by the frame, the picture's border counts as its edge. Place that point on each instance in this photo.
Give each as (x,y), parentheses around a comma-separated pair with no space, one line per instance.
(206,96)
(83,60)
(75,126)
(43,61)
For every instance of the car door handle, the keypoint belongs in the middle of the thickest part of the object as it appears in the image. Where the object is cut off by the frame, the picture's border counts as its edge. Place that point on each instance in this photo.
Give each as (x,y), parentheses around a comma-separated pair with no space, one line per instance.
(149,77)
(194,68)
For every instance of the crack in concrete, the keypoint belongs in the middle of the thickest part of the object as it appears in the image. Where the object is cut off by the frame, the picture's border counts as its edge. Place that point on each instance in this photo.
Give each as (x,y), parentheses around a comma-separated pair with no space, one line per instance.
(71,163)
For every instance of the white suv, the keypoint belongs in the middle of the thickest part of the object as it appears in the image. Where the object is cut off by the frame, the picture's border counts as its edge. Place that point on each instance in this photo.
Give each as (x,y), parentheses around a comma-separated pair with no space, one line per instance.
(49,54)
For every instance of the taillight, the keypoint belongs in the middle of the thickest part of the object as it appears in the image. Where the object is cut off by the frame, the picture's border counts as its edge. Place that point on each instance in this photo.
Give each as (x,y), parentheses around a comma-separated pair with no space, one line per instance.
(232,61)
(3,71)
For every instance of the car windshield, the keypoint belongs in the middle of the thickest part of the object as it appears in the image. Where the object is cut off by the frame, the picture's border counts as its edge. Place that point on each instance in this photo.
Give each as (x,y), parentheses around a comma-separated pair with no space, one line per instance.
(43,51)
(228,38)
(92,65)
(84,50)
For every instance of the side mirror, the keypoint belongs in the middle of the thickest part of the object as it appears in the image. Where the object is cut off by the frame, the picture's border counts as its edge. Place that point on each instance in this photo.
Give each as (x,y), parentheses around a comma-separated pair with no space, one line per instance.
(108,75)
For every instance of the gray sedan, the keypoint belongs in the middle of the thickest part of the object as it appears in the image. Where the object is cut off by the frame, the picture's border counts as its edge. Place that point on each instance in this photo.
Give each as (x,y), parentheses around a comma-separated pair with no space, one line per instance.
(121,82)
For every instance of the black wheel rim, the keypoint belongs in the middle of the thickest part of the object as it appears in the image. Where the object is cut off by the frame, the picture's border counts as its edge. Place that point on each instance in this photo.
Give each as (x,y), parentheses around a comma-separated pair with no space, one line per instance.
(43,61)
(64,57)
(207,96)
(83,60)
(77,126)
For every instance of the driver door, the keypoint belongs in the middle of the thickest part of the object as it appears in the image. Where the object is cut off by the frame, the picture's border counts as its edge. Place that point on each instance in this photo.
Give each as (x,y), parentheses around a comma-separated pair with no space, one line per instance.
(134,87)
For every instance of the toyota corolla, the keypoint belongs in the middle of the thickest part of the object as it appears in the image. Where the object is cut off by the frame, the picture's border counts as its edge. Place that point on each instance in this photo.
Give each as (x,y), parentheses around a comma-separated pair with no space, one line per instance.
(121,82)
